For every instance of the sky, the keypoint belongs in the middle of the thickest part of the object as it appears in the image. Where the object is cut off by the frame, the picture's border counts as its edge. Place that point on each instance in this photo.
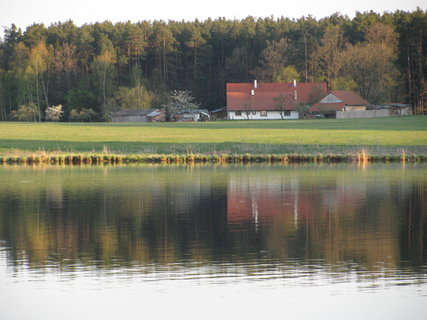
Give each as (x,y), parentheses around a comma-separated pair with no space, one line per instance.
(26,12)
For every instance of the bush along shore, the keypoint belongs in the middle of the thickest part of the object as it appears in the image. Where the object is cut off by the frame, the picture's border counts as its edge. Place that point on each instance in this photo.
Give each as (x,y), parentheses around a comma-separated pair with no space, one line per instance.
(95,159)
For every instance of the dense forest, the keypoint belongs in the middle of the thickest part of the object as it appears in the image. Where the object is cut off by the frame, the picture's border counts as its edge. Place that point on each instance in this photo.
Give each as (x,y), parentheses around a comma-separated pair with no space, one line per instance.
(98,68)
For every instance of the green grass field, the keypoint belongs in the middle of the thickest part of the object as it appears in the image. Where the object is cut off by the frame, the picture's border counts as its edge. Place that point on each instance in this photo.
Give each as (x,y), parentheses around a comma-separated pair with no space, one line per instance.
(377,136)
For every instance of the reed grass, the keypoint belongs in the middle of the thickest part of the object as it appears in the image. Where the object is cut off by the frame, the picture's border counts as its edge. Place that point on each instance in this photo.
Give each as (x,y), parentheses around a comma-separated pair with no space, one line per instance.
(361,157)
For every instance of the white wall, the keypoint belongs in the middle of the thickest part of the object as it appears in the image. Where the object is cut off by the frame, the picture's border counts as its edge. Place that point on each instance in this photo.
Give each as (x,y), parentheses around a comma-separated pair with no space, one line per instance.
(363,114)
(271,115)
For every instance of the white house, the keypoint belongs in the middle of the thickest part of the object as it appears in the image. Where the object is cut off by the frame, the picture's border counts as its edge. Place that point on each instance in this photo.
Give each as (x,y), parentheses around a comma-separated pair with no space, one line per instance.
(268,101)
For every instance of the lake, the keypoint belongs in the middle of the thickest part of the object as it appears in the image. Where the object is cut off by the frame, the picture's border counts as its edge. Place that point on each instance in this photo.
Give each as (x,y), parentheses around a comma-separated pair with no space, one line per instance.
(308,241)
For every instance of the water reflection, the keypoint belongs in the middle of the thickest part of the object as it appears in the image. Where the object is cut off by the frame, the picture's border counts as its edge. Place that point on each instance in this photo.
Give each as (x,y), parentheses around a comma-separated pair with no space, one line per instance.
(217,222)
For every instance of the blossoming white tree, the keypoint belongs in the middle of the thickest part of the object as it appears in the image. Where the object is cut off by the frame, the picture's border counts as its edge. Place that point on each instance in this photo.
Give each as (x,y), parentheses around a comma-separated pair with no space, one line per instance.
(54,113)
(180,101)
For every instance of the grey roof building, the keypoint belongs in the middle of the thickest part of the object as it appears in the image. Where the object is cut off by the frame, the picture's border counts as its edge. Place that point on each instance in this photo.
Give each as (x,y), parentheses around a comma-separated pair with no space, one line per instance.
(135,115)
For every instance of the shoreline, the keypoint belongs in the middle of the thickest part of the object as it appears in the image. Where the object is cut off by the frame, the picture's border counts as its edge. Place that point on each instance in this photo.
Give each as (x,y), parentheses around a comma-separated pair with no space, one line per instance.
(110,158)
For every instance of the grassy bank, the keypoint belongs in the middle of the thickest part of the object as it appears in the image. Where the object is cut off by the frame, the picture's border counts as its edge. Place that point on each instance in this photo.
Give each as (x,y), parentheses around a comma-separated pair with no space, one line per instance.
(378,137)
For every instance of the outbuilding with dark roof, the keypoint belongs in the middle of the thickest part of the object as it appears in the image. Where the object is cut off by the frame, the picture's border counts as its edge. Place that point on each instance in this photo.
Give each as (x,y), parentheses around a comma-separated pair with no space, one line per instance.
(340,101)
(138,115)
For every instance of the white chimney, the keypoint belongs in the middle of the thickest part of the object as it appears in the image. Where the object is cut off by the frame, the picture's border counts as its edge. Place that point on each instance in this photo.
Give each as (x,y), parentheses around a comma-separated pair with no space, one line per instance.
(295,83)
(255,84)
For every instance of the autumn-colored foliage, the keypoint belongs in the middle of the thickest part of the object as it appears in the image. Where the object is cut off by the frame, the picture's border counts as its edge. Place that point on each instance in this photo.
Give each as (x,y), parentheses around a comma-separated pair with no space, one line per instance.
(380,56)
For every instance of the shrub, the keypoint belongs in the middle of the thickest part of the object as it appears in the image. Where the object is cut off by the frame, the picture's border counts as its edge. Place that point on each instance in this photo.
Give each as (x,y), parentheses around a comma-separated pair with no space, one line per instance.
(28,112)
(85,115)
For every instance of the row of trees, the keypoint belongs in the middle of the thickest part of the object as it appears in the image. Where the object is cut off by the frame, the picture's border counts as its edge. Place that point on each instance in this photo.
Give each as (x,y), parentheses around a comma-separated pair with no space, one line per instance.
(99,68)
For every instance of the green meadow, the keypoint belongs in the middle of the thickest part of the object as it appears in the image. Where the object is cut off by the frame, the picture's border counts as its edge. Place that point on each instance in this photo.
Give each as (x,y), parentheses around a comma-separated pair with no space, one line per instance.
(344,136)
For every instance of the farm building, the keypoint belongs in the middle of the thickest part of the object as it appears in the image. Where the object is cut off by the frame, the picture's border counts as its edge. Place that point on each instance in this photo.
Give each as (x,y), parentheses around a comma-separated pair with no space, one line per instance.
(191,115)
(397,109)
(262,101)
(138,115)
(337,101)
(219,114)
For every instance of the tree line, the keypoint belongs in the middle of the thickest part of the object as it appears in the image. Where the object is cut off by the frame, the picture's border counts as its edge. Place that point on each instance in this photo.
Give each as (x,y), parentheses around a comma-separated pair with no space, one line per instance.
(96,69)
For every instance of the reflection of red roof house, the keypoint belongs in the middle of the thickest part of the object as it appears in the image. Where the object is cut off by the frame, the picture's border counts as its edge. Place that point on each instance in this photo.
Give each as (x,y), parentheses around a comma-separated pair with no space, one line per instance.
(264,206)
(258,99)
(340,101)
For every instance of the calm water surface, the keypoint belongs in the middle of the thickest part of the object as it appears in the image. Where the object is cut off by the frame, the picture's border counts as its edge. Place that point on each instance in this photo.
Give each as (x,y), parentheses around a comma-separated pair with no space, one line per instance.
(209,242)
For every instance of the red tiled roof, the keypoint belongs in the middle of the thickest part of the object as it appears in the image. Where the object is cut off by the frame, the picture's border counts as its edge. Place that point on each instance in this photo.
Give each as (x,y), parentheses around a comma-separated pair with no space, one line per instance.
(239,95)
(348,98)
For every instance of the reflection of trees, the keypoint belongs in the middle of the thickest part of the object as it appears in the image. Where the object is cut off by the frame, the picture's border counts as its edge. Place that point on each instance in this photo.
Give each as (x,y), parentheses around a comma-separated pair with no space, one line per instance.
(413,232)
(161,215)
(122,216)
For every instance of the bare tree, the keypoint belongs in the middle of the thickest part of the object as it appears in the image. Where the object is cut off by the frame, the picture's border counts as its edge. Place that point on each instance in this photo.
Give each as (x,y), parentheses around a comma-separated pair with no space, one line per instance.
(282,103)
(248,109)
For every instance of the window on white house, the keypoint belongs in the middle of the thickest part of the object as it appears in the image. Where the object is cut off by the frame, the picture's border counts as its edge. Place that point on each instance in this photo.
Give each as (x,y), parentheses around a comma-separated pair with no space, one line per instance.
(263,113)
(238,113)
(287,113)
(253,112)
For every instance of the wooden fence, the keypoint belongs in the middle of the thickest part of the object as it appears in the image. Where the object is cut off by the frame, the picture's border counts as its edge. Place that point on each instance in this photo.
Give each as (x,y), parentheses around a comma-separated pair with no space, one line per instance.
(363,114)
